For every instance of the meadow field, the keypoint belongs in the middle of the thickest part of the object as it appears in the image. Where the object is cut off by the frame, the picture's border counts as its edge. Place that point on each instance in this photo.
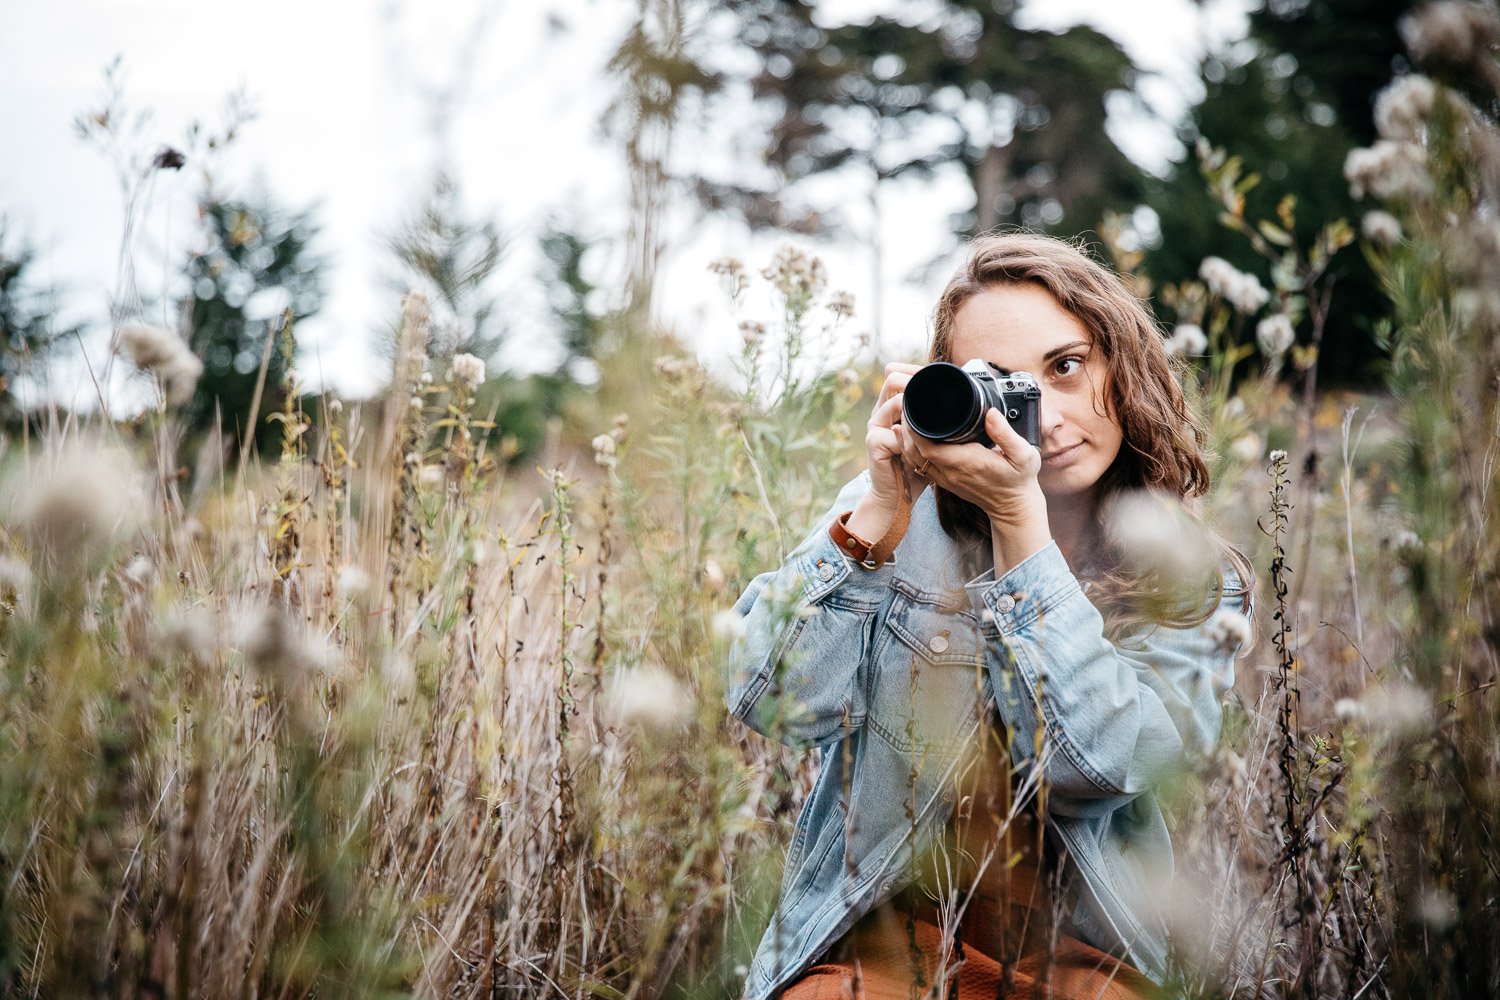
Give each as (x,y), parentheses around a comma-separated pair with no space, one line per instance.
(386,713)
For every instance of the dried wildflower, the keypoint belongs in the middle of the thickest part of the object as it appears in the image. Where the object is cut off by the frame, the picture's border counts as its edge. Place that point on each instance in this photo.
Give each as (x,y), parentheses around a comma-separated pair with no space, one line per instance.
(15,576)
(732,272)
(841,304)
(728,624)
(192,632)
(430,475)
(1228,630)
(1437,909)
(413,458)
(425,378)
(604,450)
(1403,108)
(795,275)
(416,402)
(77,508)
(1241,290)
(273,644)
(352,582)
(140,572)
(1388,170)
(752,331)
(1275,335)
(1247,447)
(1395,708)
(1188,339)
(467,370)
(1153,534)
(713,575)
(160,352)
(1381,228)
(1455,33)
(848,378)
(650,697)
(335,405)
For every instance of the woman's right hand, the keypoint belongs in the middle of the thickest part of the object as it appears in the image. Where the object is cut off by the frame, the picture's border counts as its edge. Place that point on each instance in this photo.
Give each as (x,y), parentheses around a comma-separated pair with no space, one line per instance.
(877,509)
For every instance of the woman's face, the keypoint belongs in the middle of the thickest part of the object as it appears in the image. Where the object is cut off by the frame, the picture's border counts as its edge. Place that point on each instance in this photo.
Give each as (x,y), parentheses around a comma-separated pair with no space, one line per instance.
(1022,328)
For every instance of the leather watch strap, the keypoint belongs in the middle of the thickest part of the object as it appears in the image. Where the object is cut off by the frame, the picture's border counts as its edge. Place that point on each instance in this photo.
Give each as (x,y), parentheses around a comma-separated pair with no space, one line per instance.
(873,555)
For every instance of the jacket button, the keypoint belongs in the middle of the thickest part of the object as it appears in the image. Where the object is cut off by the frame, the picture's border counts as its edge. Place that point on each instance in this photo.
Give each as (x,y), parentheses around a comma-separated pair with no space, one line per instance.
(938,643)
(1005,603)
(825,571)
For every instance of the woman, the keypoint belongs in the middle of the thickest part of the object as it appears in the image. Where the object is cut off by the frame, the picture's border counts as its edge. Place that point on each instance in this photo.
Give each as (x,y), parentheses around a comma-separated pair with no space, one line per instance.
(994,688)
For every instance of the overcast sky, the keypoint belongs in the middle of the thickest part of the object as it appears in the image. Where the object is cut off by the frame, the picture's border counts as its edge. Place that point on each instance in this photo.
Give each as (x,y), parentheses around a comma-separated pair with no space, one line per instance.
(341,89)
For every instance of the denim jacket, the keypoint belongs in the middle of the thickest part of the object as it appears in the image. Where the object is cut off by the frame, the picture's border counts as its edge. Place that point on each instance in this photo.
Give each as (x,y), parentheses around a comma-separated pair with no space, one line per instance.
(889,672)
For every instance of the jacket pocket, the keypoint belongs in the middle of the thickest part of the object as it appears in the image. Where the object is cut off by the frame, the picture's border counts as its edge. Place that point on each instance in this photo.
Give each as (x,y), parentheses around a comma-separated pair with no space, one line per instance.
(928,683)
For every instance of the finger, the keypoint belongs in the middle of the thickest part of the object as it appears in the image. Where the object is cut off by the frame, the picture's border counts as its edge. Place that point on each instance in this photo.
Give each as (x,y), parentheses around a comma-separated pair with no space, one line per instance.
(887,412)
(895,382)
(1010,442)
(901,367)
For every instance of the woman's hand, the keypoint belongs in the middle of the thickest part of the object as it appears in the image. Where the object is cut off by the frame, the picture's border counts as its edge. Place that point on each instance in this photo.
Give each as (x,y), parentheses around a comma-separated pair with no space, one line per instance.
(884,443)
(1001,481)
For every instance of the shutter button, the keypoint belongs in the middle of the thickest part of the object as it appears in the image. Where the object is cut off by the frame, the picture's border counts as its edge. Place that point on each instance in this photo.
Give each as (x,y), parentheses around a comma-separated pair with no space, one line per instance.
(938,643)
(1005,603)
(825,571)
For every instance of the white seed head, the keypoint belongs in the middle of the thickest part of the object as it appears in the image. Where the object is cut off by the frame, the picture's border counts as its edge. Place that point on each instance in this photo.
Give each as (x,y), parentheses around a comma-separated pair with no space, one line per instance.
(1404,107)
(1278,457)
(162,353)
(1396,708)
(140,571)
(713,575)
(1228,630)
(425,378)
(1235,408)
(1451,32)
(1153,534)
(1275,335)
(192,632)
(604,450)
(1241,290)
(1188,339)
(1247,447)
(841,304)
(431,475)
(82,502)
(1437,909)
(1381,228)
(1388,170)
(649,697)
(467,370)
(275,645)
(352,582)
(416,403)
(728,624)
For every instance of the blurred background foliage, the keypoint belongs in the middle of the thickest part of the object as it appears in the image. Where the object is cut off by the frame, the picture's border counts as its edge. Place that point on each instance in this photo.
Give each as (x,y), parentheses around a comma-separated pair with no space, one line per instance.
(943,90)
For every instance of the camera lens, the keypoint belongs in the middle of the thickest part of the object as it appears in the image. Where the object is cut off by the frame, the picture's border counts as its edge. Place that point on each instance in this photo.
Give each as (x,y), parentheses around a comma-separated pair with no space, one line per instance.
(941,402)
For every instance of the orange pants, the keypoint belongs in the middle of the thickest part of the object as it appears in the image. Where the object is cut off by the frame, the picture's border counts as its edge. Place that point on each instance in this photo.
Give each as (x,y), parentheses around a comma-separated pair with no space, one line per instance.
(881,966)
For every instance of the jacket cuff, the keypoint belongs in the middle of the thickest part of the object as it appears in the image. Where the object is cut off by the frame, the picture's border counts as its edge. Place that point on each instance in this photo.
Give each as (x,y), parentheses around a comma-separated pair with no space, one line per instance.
(824,567)
(1034,586)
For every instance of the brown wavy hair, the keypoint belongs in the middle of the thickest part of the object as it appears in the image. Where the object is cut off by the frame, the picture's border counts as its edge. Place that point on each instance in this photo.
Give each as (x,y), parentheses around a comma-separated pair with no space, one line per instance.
(1163,441)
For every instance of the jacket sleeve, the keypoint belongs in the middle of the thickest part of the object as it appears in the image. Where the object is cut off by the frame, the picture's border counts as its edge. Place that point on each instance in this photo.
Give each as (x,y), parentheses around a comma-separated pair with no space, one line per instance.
(795,674)
(1108,720)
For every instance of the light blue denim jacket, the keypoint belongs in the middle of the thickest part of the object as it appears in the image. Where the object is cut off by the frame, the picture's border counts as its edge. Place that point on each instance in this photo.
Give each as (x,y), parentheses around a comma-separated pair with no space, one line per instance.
(888,676)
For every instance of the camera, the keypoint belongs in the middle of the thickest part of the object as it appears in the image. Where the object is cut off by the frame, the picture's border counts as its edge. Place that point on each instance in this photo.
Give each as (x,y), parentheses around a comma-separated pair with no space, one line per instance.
(947,403)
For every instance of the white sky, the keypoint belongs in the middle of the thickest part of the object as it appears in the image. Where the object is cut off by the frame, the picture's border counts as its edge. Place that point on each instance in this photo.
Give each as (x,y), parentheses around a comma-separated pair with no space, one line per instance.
(343,124)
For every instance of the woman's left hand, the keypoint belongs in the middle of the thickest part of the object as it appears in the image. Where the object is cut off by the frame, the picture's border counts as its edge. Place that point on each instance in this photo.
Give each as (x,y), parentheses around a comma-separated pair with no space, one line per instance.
(1001,481)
